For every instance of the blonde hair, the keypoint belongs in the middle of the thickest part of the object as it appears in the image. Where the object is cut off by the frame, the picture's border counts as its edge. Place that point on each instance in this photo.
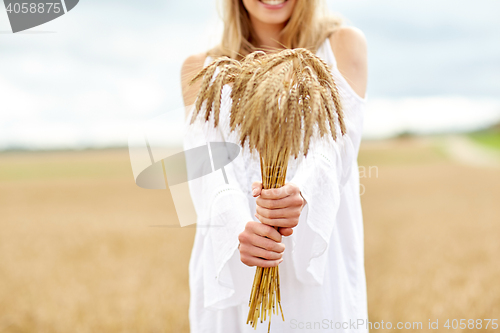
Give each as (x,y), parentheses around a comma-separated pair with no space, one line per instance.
(307,28)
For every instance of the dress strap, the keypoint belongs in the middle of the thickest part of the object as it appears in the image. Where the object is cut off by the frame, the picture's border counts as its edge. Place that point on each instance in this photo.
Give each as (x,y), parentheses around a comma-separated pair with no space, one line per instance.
(208,60)
(325,52)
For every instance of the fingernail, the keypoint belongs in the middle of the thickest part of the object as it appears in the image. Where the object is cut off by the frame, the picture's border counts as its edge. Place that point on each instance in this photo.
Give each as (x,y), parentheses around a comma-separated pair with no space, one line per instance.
(280,261)
(254,191)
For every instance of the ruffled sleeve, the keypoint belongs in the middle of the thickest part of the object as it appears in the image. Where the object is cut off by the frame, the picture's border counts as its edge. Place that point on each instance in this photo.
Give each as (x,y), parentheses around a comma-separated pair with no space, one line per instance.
(320,177)
(222,213)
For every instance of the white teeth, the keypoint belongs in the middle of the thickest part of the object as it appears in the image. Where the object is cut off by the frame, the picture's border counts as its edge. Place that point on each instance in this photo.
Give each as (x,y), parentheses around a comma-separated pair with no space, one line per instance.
(273,2)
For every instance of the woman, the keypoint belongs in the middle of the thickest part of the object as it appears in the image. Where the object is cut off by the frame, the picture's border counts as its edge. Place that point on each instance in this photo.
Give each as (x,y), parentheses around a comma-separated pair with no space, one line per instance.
(319,242)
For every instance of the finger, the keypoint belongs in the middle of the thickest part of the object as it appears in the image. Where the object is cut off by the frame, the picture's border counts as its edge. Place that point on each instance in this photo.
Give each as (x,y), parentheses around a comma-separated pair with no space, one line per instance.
(276,222)
(279,213)
(266,244)
(285,231)
(281,192)
(253,261)
(290,201)
(267,231)
(274,193)
(256,188)
(260,253)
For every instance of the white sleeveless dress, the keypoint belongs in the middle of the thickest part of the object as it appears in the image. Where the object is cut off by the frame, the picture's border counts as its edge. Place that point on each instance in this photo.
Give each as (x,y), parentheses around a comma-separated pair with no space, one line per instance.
(323,286)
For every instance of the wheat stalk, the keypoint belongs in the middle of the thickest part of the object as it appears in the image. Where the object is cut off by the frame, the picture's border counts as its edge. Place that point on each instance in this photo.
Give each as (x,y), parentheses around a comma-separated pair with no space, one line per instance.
(278,100)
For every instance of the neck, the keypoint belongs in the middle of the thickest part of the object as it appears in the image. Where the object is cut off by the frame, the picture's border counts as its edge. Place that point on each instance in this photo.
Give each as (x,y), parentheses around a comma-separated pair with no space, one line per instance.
(267,35)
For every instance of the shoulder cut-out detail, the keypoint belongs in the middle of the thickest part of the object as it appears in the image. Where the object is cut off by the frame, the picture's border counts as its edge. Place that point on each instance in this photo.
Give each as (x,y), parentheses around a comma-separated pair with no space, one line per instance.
(350,50)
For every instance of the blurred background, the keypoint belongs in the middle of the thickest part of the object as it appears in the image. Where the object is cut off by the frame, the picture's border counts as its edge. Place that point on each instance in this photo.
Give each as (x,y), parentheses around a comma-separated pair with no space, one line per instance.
(83,249)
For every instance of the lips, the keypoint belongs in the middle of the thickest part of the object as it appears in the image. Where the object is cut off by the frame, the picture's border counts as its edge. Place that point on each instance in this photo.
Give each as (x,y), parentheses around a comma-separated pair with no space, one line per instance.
(273,2)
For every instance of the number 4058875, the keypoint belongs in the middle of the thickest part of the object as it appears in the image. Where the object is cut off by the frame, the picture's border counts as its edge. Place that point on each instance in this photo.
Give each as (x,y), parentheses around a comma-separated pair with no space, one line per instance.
(27,7)
(471,324)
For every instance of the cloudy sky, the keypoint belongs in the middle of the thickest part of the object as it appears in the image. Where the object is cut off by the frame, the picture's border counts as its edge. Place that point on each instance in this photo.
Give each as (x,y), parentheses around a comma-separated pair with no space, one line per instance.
(87,78)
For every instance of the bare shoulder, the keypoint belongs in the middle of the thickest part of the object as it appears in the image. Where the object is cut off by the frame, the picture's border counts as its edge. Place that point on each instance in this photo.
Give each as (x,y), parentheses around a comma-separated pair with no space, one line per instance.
(191,66)
(349,34)
(350,49)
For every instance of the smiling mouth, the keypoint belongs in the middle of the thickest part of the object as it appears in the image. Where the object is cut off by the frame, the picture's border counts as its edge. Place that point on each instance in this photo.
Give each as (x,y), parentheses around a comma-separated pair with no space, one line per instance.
(273,2)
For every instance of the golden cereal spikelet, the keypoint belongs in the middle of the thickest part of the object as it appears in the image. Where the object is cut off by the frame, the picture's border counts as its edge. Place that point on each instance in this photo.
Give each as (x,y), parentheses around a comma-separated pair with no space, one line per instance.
(279,101)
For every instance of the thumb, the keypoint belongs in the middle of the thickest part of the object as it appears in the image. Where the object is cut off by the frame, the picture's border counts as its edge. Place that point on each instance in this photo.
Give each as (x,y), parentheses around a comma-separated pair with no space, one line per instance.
(256,188)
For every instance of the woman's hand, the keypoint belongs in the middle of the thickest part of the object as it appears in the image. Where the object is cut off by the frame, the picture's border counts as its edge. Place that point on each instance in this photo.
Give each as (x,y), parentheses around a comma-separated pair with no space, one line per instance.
(279,207)
(260,245)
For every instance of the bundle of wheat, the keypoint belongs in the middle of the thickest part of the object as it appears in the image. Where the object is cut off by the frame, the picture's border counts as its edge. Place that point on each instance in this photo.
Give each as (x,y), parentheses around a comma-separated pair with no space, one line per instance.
(278,100)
